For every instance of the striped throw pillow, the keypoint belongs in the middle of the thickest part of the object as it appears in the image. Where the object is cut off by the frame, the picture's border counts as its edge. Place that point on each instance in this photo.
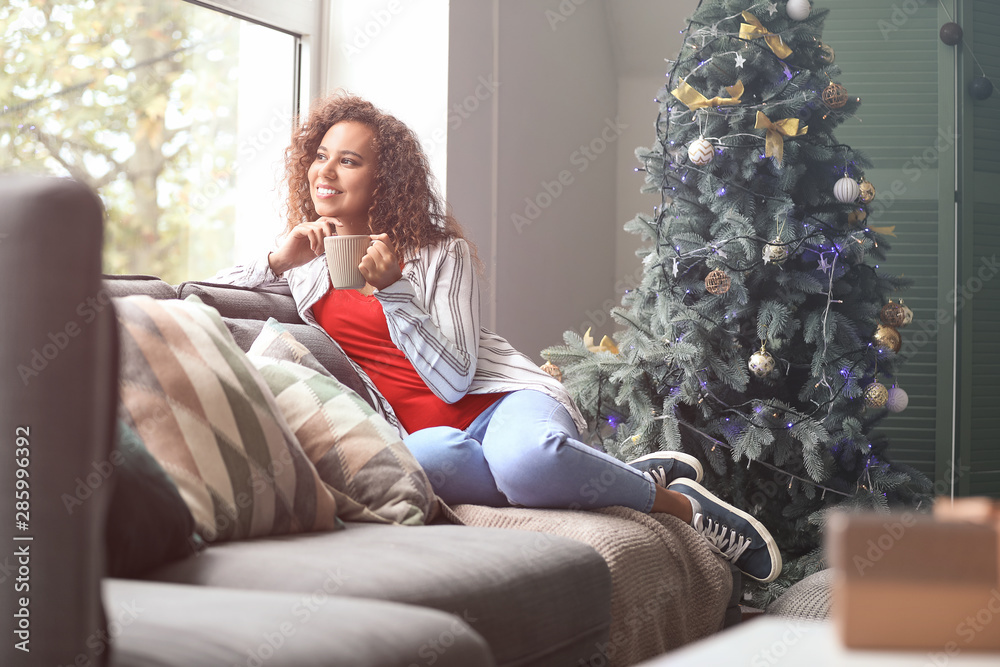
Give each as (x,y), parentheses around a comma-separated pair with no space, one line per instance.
(358,454)
(210,420)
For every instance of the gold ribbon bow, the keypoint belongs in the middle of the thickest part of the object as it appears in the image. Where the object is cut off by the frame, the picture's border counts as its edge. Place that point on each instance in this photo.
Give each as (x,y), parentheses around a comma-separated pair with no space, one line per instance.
(885,231)
(776,133)
(607,344)
(695,100)
(754,29)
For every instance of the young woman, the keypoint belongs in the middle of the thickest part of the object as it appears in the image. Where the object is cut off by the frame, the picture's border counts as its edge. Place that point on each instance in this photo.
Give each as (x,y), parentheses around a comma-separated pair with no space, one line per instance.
(486,423)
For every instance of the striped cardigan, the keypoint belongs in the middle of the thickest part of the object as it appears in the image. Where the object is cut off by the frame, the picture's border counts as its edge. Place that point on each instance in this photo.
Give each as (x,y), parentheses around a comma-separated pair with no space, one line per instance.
(433,314)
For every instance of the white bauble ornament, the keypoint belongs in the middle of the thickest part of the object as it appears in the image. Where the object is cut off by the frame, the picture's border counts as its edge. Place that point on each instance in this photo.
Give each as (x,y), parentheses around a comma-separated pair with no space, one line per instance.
(761,363)
(701,151)
(846,190)
(897,400)
(798,10)
(774,252)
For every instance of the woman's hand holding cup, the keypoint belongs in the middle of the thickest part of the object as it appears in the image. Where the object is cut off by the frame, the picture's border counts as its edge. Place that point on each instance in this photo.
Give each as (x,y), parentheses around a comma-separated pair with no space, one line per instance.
(380,265)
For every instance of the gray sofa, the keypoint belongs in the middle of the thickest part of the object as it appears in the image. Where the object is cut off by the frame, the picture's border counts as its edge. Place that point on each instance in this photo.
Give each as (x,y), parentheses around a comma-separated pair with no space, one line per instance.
(367,595)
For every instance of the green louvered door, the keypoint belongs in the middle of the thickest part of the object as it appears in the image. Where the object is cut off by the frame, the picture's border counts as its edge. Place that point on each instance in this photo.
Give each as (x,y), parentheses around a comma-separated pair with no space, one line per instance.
(979,254)
(891,57)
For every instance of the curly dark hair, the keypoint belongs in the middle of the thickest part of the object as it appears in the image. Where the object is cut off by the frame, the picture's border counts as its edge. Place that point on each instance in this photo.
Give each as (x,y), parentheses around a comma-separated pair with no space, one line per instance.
(405,203)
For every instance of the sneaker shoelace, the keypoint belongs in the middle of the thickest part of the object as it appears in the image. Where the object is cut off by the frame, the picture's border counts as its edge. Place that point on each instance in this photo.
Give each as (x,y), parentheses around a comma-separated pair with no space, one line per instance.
(722,540)
(659,475)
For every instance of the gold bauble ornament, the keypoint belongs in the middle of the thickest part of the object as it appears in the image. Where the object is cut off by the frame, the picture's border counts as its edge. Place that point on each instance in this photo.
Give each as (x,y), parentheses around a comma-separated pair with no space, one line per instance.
(761,363)
(835,96)
(552,370)
(867,191)
(892,314)
(775,252)
(888,337)
(907,313)
(876,395)
(826,54)
(717,282)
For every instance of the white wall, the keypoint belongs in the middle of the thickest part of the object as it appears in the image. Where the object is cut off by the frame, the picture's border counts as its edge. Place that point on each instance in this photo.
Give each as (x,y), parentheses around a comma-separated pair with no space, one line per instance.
(546,152)
(394,53)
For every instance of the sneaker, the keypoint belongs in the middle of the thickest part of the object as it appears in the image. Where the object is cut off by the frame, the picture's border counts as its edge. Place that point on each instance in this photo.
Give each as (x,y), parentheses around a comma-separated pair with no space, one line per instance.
(665,467)
(732,533)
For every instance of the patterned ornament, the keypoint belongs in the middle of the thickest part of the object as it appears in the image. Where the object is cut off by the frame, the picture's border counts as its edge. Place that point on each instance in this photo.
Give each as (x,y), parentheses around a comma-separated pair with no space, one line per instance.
(827,55)
(775,252)
(866,191)
(846,190)
(835,96)
(552,370)
(892,314)
(761,363)
(857,216)
(887,337)
(897,400)
(717,282)
(876,395)
(907,314)
(701,151)
(798,10)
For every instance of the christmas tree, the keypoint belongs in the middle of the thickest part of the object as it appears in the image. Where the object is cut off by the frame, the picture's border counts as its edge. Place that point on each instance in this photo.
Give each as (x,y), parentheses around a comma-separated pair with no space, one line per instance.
(763,335)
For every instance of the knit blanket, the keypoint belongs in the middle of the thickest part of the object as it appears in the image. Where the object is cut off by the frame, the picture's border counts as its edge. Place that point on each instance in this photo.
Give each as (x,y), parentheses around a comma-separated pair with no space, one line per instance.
(668,588)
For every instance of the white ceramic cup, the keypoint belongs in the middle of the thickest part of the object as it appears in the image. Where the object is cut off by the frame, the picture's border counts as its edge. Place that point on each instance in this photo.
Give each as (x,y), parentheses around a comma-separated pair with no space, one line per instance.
(343,254)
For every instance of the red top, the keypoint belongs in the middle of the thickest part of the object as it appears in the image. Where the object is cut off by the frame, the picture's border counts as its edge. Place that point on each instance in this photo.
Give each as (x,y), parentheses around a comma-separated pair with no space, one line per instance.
(358,325)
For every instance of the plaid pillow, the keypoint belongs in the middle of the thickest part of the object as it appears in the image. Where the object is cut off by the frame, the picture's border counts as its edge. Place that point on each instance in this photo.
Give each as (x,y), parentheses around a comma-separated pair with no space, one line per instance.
(358,454)
(206,415)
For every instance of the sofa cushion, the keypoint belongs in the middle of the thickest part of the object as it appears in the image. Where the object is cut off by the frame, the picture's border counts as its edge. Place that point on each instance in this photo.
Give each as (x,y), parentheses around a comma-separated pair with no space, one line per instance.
(208,417)
(330,356)
(169,625)
(128,285)
(245,303)
(537,599)
(148,523)
(355,450)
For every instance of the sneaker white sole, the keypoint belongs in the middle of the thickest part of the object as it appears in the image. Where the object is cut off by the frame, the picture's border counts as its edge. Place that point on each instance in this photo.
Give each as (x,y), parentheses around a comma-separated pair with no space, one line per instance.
(772,546)
(680,456)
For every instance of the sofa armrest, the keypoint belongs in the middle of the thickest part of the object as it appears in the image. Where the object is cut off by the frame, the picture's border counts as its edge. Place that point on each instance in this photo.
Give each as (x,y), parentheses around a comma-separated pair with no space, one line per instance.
(58,391)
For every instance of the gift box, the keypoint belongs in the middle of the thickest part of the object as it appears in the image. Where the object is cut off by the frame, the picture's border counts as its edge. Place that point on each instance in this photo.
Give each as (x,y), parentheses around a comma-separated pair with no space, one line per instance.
(912,581)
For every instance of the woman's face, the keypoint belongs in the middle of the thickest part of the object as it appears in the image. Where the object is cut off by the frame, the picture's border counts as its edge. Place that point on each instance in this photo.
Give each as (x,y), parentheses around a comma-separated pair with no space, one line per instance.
(342,177)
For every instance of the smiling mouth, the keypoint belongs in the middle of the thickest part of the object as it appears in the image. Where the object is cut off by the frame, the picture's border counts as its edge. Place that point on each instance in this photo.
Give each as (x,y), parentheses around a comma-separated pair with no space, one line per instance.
(326,192)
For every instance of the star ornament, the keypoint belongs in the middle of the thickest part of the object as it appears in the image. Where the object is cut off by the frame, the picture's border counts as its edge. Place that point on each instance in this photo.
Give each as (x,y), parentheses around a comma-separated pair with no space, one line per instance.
(772,8)
(740,60)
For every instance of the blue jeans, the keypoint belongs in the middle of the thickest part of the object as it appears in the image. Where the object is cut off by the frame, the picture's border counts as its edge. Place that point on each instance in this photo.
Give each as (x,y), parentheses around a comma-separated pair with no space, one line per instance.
(524,450)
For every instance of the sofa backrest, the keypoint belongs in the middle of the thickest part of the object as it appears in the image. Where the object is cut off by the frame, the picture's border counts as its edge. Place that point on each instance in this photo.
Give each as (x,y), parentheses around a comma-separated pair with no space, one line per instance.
(244,311)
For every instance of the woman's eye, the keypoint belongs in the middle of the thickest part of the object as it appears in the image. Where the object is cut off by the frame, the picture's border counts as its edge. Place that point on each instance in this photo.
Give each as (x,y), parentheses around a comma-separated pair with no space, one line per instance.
(347,160)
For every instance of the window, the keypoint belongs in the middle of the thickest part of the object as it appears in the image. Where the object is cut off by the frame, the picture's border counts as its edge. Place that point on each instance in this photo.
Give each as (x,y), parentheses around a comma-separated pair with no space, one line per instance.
(175,113)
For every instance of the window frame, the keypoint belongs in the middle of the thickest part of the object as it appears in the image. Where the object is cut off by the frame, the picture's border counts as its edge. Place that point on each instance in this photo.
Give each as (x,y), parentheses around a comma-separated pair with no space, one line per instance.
(304,20)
